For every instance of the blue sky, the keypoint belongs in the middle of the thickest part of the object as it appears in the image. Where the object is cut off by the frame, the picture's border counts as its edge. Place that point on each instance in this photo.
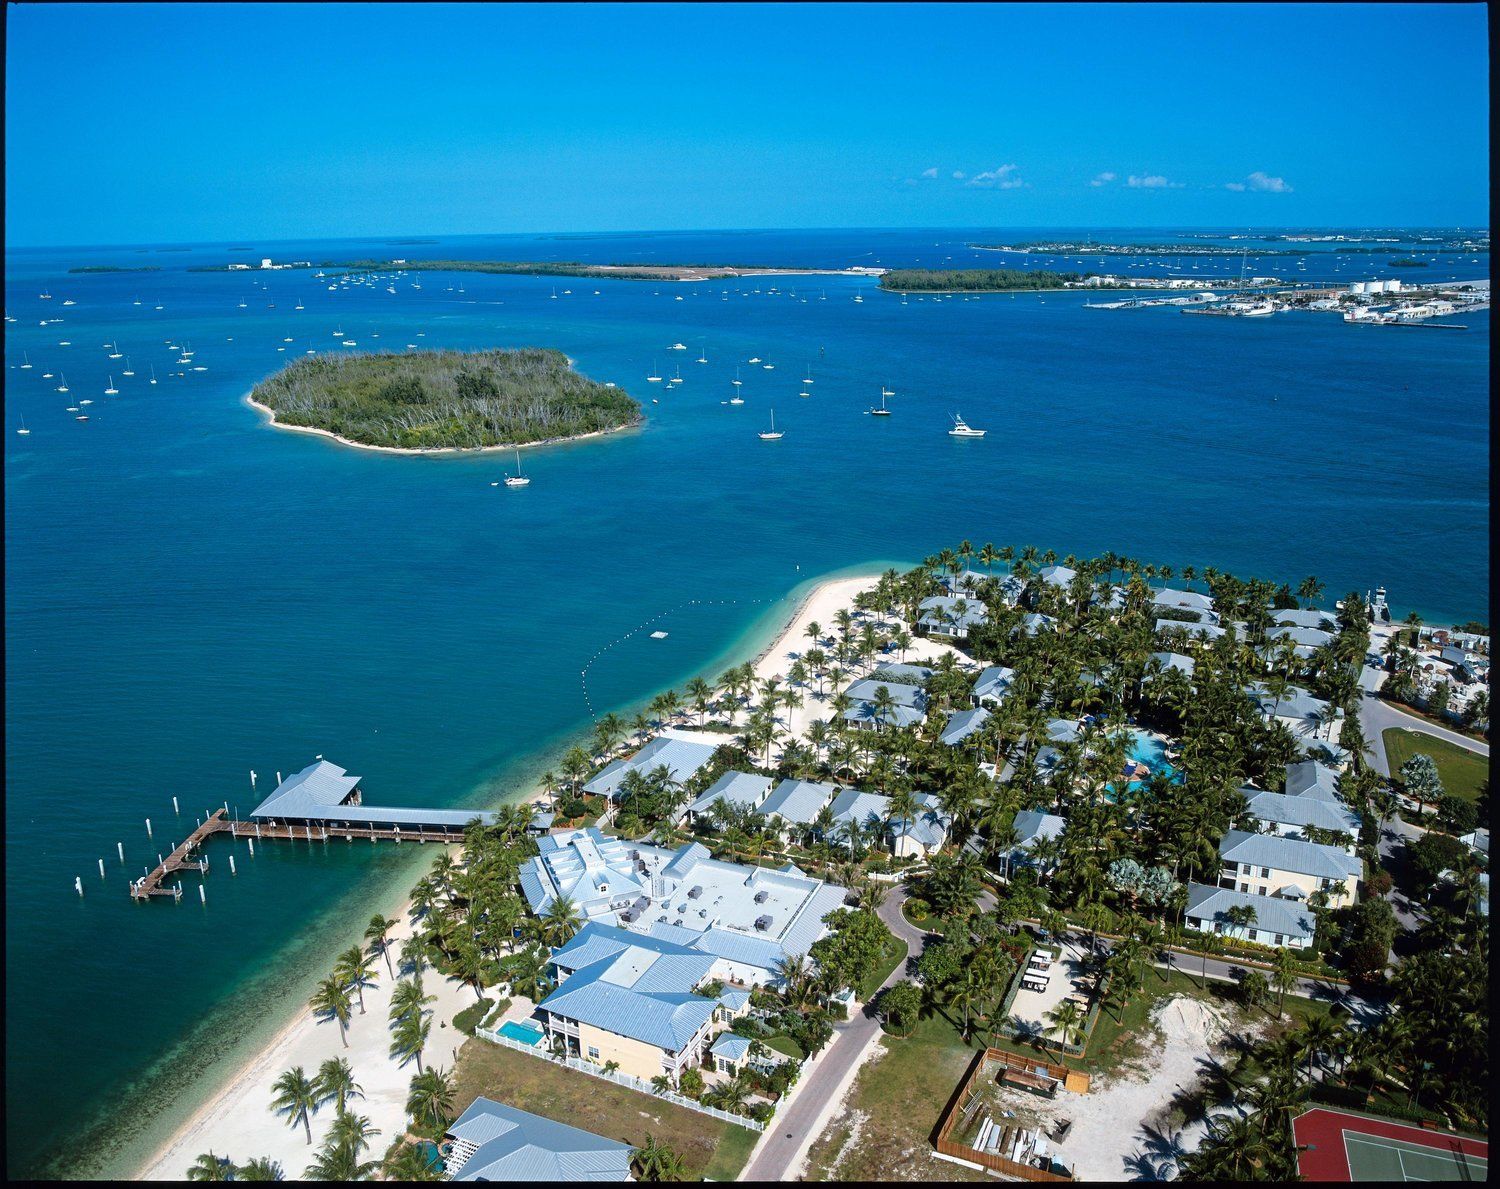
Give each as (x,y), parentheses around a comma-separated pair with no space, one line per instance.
(145,123)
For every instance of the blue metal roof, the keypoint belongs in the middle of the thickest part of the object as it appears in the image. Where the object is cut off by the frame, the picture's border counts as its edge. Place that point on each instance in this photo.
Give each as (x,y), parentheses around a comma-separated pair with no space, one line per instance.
(1272,914)
(745,789)
(317,794)
(963,724)
(620,995)
(1304,811)
(731,1046)
(515,1145)
(798,800)
(1289,854)
(681,757)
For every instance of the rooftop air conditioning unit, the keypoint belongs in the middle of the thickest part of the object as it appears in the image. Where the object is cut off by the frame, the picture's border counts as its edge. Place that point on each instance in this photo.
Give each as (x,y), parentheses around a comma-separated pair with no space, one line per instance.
(762,923)
(760,897)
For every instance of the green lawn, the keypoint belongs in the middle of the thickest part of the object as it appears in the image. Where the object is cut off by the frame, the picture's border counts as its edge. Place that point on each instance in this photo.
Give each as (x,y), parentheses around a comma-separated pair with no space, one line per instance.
(709,1148)
(1462,771)
(895,955)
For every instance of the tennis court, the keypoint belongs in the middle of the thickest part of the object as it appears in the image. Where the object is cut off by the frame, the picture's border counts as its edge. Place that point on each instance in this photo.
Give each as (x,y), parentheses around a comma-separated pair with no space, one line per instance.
(1345,1146)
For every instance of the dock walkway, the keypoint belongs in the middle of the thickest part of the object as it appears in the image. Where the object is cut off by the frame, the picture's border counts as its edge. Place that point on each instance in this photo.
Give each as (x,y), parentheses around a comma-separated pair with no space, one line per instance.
(180,859)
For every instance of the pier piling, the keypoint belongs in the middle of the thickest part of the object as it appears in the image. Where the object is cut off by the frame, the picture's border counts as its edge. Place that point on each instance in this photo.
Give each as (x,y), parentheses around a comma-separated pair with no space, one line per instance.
(148,827)
(251,841)
(78,883)
(174,806)
(232,871)
(202,895)
(120,848)
(101,868)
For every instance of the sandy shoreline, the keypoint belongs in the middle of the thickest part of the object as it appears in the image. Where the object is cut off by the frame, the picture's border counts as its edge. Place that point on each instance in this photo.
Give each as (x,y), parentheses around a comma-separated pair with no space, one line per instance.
(236,1120)
(463,451)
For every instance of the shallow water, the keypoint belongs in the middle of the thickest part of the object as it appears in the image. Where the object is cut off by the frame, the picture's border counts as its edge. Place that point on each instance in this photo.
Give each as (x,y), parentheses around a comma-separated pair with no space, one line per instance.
(192,595)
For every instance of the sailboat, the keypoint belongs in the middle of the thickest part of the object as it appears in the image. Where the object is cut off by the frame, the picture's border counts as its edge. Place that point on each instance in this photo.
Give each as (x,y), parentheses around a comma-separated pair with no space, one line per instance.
(298,306)
(63,387)
(773,434)
(753,359)
(882,411)
(736,399)
(153,373)
(702,354)
(26,361)
(114,352)
(653,379)
(884,391)
(736,380)
(518,479)
(960,430)
(23,431)
(111,390)
(677,379)
(127,370)
(808,379)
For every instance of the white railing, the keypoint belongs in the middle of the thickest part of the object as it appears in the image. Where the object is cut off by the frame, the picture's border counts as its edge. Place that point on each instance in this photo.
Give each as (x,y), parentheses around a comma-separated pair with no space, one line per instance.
(622,1079)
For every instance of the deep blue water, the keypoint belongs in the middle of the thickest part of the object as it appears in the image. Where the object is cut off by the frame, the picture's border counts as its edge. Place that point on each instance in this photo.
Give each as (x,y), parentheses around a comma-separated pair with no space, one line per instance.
(191,595)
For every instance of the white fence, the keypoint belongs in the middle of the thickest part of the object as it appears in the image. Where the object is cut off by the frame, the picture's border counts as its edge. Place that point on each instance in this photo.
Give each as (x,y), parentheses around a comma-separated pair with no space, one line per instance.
(623,1079)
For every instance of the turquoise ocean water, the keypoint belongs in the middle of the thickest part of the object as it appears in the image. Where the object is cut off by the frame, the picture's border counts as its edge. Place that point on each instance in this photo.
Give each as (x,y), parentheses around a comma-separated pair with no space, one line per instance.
(191,595)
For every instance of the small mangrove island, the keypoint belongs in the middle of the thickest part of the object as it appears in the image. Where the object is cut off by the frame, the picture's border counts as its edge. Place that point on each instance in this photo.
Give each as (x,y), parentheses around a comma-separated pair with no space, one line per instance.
(975,280)
(444,400)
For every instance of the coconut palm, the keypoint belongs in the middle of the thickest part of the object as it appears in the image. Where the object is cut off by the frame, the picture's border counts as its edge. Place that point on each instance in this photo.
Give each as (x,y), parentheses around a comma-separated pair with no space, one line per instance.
(262,1168)
(1067,1020)
(356,969)
(408,1038)
(378,935)
(429,1101)
(335,1080)
(295,1095)
(656,1162)
(412,1163)
(209,1167)
(408,999)
(351,1132)
(332,1000)
(560,921)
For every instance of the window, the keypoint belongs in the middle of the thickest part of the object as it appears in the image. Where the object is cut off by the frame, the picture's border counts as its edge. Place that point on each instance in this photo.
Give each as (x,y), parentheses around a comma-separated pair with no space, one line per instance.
(1244,887)
(1280,939)
(1265,873)
(593,1053)
(1218,926)
(1247,869)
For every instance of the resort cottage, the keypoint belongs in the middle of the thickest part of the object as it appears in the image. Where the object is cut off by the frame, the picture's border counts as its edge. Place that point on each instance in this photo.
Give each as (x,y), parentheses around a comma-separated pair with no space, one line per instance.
(950,617)
(993,686)
(1276,921)
(908,704)
(743,790)
(1268,864)
(682,753)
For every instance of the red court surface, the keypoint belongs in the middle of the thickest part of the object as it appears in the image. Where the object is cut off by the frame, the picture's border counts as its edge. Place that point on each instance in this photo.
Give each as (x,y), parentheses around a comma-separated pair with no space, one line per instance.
(1343,1146)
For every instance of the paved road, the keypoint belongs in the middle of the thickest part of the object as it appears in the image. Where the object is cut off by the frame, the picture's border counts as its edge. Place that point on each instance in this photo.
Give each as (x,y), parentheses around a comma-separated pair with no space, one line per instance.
(1376,716)
(779,1152)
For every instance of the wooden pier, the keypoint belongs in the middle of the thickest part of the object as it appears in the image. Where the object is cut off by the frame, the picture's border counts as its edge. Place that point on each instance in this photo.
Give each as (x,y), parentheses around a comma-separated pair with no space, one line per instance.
(186,858)
(181,859)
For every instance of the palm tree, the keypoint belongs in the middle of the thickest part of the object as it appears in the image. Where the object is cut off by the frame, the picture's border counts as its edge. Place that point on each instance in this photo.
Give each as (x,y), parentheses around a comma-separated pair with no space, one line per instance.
(351,1132)
(209,1167)
(560,921)
(335,1080)
(412,1163)
(408,999)
(378,935)
(430,1098)
(295,1096)
(336,1163)
(356,969)
(414,955)
(1067,1019)
(1285,977)
(656,1162)
(332,999)
(262,1168)
(408,1038)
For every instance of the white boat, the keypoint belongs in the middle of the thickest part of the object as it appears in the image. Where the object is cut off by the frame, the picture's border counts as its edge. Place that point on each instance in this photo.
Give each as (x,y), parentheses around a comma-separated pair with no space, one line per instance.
(884,391)
(111,390)
(653,379)
(86,401)
(63,387)
(961,430)
(81,417)
(804,394)
(114,351)
(23,431)
(882,411)
(298,306)
(736,399)
(518,479)
(858,297)
(350,343)
(677,347)
(702,354)
(753,359)
(127,371)
(153,373)
(736,380)
(769,366)
(71,302)
(25,361)
(772,434)
(808,379)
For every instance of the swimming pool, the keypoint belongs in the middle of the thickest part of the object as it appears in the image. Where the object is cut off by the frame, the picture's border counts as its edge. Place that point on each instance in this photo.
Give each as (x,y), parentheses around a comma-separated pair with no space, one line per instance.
(1151,751)
(521,1032)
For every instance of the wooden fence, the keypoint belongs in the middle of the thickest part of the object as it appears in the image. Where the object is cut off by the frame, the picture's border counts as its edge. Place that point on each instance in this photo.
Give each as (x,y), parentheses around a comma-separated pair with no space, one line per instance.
(954,1111)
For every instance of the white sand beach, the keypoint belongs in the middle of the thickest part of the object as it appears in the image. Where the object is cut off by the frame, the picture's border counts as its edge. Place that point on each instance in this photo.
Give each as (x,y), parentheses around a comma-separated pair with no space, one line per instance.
(238,1122)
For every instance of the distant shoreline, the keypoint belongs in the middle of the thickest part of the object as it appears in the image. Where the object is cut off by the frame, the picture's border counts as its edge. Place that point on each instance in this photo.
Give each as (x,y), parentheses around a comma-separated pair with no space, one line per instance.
(465,450)
(560,268)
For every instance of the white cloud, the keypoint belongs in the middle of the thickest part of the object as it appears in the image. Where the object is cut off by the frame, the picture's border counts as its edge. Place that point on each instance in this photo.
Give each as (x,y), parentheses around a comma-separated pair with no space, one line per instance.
(1002,178)
(1234,185)
(1104,178)
(1153,181)
(1262,181)
(930,173)
(959,175)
